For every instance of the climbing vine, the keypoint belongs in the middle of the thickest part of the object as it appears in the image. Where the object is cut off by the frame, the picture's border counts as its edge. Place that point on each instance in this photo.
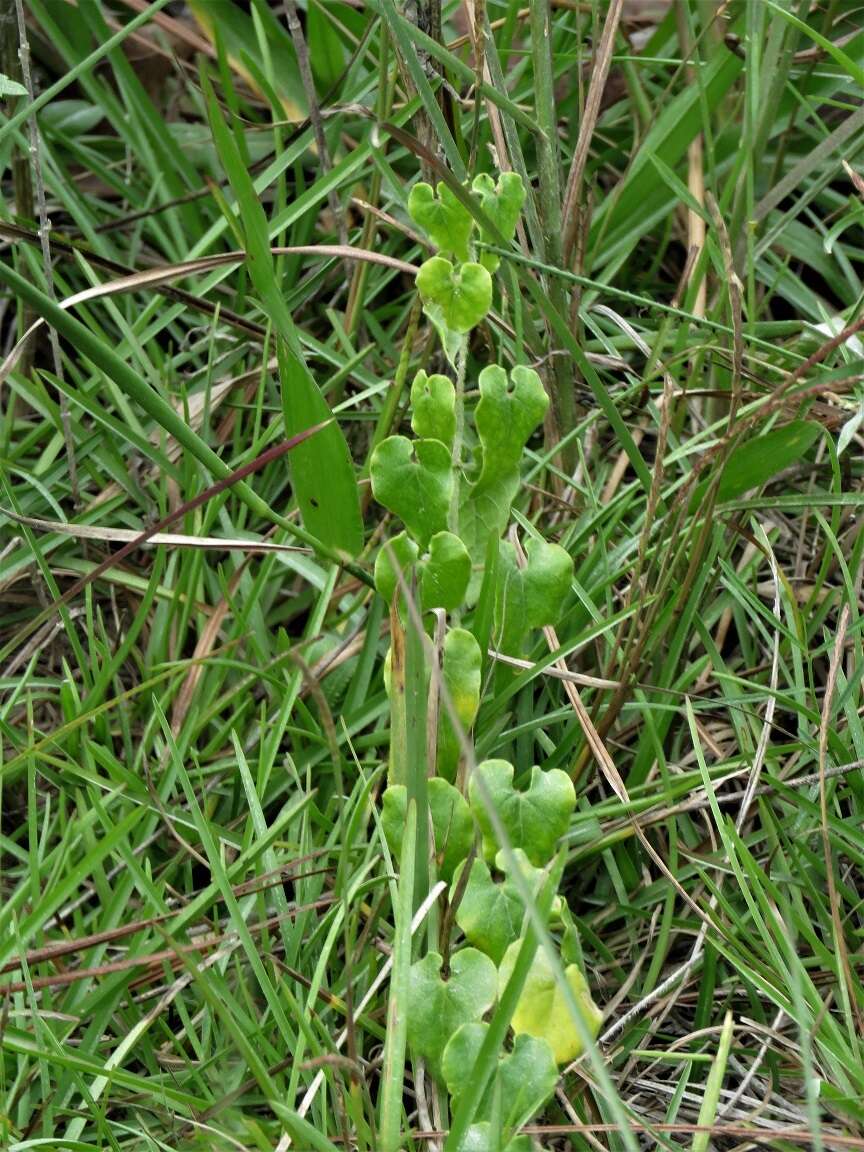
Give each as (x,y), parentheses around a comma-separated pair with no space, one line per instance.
(452,487)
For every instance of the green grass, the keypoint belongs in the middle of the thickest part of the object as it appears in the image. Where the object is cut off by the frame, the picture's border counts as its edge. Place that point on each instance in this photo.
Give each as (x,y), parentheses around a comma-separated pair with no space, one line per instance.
(204,940)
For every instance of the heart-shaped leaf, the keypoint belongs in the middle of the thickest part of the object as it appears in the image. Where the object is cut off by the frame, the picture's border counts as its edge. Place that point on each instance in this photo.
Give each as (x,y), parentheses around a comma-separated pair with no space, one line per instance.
(437,1007)
(455,299)
(527,1075)
(433,400)
(452,823)
(533,596)
(490,914)
(461,672)
(534,819)
(542,1010)
(443,218)
(415,481)
(509,410)
(502,203)
(397,555)
(446,573)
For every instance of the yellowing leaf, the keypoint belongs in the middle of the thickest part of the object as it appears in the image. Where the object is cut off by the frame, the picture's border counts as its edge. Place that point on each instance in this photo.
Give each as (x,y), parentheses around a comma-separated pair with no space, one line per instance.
(543,1010)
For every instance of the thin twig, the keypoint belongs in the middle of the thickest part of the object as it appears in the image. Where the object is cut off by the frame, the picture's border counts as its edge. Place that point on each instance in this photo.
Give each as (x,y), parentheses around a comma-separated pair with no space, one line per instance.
(599,74)
(695,166)
(308,81)
(833,895)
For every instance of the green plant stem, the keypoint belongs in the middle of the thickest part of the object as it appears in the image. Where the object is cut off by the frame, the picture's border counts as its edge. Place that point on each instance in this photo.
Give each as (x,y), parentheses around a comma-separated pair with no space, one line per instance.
(397,1014)
(547,146)
(459,435)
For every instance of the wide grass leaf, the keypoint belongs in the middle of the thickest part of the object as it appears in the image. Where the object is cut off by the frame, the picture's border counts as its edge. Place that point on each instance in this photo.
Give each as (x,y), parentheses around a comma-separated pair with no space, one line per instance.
(756,461)
(322,472)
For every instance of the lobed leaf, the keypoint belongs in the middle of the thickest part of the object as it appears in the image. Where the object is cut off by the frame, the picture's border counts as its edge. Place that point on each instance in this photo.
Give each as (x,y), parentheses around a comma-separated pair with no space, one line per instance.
(533,596)
(414,481)
(534,819)
(433,400)
(527,1076)
(510,409)
(492,914)
(445,574)
(446,222)
(452,823)
(454,299)
(543,1010)
(437,1007)
(502,203)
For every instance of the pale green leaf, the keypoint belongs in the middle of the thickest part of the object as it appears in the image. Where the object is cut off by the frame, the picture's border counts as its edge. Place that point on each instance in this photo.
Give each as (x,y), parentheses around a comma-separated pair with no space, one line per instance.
(455,298)
(446,222)
(396,555)
(502,203)
(491,913)
(414,480)
(452,823)
(433,401)
(445,574)
(527,1076)
(437,1007)
(533,596)
(461,672)
(509,410)
(534,819)
(543,1010)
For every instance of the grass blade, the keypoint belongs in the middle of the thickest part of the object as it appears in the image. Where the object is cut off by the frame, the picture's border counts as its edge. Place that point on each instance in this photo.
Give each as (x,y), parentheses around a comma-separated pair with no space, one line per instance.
(392,1087)
(323,473)
(713,1086)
